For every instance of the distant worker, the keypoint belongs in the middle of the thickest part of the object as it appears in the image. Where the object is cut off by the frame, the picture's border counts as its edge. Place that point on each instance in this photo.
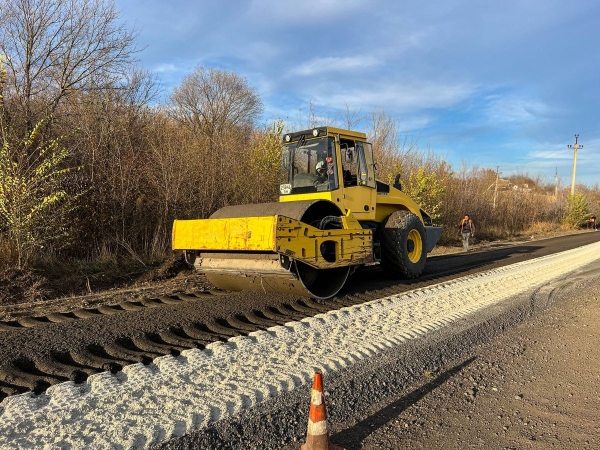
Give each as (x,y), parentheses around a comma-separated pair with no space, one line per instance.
(466,229)
(592,222)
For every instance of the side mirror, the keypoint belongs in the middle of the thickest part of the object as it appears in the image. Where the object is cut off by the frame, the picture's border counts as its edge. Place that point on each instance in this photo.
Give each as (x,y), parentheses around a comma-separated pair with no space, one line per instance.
(349,156)
(397,184)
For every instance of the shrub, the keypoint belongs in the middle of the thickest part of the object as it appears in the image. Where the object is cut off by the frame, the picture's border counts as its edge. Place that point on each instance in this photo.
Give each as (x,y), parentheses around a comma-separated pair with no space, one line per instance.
(576,211)
(33,201)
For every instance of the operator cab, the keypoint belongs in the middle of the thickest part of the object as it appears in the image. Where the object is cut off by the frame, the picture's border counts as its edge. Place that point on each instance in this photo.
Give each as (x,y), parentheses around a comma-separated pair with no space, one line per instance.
(322,159)
(309,165)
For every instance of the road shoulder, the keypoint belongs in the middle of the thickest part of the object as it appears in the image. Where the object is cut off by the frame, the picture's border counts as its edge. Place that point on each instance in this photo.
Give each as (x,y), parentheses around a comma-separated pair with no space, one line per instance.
(535,386)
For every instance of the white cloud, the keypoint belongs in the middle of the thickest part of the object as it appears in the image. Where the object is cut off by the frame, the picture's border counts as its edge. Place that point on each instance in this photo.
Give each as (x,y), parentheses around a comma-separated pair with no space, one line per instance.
(169,68)
(304,11)
(513,109)
(405,101)
(414,123)
(334,64)
(550,155)
(400,96)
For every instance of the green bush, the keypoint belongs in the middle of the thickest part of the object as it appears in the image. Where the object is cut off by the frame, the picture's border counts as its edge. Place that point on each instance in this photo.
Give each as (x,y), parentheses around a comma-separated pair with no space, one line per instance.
(576,210)
(33,202)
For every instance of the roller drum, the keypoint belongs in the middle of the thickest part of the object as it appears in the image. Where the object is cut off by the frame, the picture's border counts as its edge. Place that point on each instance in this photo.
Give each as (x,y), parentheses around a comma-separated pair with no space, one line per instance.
(237,271)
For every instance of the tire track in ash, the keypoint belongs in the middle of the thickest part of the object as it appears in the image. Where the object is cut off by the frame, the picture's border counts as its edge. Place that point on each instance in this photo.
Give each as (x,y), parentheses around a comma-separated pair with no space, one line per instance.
(174,396)
(23,375)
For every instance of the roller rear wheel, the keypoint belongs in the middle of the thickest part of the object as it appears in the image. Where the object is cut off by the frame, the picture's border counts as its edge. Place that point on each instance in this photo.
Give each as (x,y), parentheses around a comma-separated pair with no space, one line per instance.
(403,245)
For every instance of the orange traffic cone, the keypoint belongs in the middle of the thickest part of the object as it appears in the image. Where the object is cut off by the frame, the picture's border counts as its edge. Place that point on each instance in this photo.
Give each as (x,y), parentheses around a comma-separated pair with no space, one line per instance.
(317,437)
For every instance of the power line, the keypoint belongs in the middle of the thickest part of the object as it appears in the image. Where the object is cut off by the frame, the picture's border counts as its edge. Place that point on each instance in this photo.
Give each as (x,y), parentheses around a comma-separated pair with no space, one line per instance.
(551,153)
(496,187)
(575,148)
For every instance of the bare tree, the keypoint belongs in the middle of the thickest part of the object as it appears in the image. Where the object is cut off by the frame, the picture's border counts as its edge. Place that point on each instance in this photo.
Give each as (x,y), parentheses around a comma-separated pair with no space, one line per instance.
(138,88)
(316,117)
(210,101)
(353,118)
(54,47)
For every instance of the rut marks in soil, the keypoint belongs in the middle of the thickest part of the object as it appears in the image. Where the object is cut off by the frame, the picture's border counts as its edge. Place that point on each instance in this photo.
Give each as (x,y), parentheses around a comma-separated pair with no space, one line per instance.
(37,376)
(86,313)
(364,286)
(27,375)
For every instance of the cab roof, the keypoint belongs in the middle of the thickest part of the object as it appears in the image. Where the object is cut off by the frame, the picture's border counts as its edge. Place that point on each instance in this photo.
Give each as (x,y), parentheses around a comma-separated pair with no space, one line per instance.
(324,131)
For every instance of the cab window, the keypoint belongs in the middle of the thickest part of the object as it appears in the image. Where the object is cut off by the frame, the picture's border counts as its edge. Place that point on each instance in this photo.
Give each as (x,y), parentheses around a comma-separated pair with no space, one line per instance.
(366,168)
(357,163)
(308,165)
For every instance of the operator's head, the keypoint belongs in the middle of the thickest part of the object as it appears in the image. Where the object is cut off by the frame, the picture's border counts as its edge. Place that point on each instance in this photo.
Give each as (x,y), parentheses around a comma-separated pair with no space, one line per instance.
(466,217)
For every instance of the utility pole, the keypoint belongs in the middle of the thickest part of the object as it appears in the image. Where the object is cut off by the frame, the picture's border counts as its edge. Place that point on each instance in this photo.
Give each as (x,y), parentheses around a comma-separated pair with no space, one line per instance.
(556,184)
(496,187)
(575,148)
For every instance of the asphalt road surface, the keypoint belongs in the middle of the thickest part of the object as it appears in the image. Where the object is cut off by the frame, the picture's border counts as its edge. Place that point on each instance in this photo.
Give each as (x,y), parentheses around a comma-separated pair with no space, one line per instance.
(532,387)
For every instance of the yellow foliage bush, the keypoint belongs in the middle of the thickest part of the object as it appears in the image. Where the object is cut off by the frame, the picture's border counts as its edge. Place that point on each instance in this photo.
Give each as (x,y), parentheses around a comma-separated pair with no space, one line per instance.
(32,200)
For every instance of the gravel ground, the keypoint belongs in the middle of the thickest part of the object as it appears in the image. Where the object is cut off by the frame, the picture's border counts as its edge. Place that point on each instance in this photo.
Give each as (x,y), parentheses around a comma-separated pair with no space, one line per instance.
(413,370)
(175,396)
(369,404)
(534,387)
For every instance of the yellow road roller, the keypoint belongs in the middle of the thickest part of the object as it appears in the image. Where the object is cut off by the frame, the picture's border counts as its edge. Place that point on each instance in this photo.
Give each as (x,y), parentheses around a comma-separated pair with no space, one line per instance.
(332,217)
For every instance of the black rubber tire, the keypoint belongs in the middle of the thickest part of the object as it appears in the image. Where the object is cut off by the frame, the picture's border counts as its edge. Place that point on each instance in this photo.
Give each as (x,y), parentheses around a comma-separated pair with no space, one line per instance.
(397,259)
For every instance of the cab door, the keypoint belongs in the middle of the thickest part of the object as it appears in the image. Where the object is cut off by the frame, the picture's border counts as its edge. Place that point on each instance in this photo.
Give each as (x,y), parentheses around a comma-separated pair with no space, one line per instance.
(358,175)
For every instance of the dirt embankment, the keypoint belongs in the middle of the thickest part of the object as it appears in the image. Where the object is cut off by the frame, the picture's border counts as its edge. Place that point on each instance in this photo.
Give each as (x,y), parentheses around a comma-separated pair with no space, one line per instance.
(18,286)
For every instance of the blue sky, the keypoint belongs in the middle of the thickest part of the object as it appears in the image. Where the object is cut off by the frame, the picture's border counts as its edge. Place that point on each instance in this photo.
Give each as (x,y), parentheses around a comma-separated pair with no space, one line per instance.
(486,82)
